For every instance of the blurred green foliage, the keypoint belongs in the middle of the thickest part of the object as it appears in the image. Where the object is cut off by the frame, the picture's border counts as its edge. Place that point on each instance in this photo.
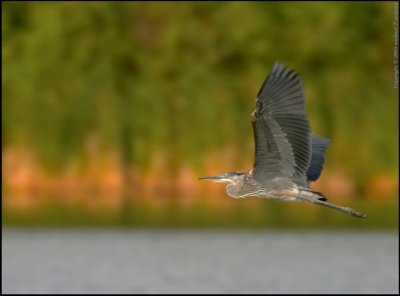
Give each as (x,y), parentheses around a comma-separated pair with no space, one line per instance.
(180,78)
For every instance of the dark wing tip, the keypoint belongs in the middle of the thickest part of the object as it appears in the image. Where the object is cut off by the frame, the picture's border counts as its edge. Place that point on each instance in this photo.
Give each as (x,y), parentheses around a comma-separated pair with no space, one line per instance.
(319,146)
(278,71)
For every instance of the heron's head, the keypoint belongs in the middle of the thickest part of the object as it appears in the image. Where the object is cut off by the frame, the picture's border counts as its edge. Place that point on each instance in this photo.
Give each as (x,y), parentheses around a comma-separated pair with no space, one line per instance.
(230,177)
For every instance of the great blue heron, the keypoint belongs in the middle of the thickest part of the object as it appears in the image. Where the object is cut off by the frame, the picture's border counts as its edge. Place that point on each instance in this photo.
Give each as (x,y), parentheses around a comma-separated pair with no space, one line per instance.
(287,155)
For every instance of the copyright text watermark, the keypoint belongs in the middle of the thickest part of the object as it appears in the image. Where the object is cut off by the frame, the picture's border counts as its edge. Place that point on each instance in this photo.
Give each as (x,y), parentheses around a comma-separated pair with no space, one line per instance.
(396,44)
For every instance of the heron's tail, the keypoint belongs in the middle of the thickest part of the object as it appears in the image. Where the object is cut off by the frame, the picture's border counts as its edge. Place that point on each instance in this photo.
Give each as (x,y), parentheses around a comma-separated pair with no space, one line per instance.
(318,198)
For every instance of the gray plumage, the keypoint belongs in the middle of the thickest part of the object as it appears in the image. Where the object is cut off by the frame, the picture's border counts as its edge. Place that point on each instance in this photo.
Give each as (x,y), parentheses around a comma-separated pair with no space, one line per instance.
(319,146)
(281,129)
(287,156)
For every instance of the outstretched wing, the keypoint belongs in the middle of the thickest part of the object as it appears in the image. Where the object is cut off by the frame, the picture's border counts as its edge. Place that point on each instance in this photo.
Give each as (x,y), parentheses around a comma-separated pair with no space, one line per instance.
(319,146)
(281,129)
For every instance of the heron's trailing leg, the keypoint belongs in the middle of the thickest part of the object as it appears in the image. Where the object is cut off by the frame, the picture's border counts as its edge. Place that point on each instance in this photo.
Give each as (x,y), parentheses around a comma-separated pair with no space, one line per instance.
(315,198)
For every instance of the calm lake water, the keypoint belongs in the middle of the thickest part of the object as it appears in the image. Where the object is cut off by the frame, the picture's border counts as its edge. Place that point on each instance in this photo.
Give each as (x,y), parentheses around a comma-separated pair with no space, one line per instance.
(167,261)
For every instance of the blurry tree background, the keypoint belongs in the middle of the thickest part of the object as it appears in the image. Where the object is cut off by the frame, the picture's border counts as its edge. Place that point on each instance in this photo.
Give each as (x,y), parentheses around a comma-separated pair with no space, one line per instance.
(142,98)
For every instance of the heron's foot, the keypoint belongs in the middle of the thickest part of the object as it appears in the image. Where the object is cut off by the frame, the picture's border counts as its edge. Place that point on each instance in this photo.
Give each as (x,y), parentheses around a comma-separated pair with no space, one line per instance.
(355,213)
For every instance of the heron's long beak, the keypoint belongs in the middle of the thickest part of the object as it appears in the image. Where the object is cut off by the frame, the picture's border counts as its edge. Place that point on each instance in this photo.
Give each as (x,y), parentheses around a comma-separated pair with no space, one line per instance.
(216,178)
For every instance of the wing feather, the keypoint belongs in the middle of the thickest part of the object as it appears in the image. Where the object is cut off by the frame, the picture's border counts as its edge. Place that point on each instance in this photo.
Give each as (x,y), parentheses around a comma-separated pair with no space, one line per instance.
(281,128)
(319,146)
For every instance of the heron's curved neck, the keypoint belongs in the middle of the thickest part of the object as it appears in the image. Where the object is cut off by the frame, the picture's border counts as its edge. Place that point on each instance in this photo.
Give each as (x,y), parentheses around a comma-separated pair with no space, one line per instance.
(236,189)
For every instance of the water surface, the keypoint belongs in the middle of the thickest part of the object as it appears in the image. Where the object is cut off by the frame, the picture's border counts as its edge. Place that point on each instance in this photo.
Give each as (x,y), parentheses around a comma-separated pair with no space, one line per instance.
(167,261)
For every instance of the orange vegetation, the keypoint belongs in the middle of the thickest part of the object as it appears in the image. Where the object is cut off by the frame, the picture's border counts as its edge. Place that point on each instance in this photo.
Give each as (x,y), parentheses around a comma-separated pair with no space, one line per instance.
(24,180)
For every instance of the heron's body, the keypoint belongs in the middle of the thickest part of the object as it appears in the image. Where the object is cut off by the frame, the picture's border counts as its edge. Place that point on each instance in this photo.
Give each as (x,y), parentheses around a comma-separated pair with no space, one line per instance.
(287,156)
(278,188)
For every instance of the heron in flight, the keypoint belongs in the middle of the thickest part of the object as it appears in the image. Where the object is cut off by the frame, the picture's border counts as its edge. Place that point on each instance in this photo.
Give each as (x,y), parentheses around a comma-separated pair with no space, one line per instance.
(287,155)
